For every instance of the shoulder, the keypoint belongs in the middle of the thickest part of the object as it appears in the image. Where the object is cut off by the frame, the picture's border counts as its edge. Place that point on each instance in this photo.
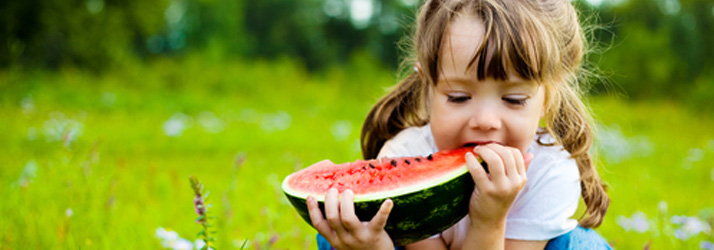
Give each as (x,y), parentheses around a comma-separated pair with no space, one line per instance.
(412,141)
(544,207)
(551,160)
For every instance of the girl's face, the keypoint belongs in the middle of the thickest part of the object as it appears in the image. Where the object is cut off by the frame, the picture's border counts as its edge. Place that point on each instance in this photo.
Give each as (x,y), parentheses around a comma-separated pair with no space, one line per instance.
(467,111)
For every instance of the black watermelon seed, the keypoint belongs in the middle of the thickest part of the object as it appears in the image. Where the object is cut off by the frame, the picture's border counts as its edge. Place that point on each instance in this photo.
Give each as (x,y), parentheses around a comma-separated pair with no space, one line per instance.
(393,162)
(406,161)
(429,157)
(418,159)
(371,166)
(364,168)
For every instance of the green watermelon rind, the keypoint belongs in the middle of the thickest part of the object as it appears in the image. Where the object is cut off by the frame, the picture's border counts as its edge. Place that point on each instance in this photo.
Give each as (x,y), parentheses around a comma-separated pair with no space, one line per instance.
(418,212)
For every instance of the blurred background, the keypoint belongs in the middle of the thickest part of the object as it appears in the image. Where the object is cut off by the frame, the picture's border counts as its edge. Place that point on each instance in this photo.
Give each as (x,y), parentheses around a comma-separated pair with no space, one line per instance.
(107,107)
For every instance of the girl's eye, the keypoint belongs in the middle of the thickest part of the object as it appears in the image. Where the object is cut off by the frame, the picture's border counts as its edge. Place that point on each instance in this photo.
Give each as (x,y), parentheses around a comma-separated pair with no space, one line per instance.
(515,100)
(458,98)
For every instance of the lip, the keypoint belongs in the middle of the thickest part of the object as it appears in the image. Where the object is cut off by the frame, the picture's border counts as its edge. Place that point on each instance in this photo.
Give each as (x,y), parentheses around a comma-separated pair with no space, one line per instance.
(476,143)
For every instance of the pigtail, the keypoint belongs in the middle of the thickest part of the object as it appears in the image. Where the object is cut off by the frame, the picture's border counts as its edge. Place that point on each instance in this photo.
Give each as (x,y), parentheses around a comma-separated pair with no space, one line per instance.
(405,105)
(399,109)
(571,125)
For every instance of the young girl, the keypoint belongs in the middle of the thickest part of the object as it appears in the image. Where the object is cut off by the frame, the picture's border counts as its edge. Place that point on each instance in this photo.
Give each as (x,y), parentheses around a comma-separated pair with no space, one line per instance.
(499,76)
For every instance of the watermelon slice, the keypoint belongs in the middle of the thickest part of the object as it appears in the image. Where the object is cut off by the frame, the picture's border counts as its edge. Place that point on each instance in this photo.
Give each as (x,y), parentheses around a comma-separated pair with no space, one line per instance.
(430,193)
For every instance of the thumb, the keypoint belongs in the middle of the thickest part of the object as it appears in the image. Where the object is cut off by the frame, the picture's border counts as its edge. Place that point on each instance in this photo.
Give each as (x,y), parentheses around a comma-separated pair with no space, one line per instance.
(380,219)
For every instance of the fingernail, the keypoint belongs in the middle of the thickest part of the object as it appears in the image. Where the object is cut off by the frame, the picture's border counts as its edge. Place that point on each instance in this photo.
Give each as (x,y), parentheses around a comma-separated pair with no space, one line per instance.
(469,154)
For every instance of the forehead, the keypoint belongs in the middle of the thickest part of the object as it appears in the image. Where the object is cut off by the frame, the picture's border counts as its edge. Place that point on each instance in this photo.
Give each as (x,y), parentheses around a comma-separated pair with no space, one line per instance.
(462,38)
(460,56)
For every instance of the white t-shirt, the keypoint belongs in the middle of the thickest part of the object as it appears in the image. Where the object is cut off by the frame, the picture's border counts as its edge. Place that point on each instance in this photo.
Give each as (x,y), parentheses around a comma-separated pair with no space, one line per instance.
(542,210)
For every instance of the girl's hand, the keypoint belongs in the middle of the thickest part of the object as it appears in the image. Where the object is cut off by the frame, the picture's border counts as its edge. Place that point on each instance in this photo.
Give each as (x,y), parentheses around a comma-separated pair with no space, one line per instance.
(343,229)
(495,192)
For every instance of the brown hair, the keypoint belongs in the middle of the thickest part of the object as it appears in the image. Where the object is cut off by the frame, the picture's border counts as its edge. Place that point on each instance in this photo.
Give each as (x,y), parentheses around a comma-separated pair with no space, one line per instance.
(539,40)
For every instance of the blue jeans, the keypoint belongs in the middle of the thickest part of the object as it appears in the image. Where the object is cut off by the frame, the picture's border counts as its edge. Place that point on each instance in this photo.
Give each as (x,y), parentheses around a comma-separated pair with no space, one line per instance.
(578,238)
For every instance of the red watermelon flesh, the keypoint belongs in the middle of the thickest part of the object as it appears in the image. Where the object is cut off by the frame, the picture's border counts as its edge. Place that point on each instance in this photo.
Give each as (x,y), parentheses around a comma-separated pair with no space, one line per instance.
(383,176)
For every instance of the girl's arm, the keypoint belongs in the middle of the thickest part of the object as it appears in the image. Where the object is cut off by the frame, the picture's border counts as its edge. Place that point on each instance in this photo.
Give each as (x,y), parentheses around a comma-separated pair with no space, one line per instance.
(427,244)
(525,244)
(343,229)
(494,193)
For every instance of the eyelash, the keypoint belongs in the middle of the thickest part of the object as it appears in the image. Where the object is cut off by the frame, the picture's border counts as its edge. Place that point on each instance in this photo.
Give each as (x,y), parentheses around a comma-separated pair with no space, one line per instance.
(457,99)
(461,99)
(515,101)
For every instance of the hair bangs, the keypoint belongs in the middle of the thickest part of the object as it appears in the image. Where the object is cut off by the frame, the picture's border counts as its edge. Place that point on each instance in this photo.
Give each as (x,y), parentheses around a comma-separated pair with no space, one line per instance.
(511,46)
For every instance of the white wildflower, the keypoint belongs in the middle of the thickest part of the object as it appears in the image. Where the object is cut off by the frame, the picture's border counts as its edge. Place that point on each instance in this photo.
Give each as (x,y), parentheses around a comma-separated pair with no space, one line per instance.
(276,122)
(28,105)
(210,123)
(199,244)
(28,174)
(617,147)
(638,222)
(688,227)
(175,126)
(341,130)
(171,240)
(60,128)
(694,155)
(183,244)
(662,207)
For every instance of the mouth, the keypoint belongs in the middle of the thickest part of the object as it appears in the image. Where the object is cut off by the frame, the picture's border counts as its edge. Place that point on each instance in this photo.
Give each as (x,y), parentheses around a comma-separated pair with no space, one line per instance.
(476,143)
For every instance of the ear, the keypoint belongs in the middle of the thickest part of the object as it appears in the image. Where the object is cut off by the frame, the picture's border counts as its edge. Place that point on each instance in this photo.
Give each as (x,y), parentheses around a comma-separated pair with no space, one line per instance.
(417,68)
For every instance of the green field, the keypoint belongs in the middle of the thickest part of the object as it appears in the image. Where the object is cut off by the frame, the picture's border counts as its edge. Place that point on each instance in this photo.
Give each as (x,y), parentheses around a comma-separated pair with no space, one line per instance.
(102,161)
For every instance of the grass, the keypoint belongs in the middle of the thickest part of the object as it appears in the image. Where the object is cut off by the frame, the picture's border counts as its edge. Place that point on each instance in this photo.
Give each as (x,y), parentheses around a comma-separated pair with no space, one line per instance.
(102,161)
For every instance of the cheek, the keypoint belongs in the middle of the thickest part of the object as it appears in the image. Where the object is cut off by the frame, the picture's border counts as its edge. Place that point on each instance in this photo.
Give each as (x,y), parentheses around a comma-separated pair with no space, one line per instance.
(522,132)
(443,125)
(529,124)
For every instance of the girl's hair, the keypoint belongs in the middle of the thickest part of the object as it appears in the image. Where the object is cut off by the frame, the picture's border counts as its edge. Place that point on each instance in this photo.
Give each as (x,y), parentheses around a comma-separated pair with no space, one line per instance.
(539,40)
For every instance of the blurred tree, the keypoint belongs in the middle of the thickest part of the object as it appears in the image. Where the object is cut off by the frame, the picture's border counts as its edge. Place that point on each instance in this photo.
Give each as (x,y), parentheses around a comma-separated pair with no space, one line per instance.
(653,48)
(660,48)
(92,34)
(325,32)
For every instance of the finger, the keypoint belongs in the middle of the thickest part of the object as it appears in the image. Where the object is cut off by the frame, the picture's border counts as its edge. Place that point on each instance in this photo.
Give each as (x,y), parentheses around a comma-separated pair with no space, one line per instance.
(520,167)
(347,211)
(494,161)
(380,219)
(332,212)
(509,164)
(318,221)
(476,169)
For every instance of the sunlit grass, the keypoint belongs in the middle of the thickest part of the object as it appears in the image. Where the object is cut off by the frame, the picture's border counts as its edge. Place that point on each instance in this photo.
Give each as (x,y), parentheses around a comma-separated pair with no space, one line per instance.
(103,160)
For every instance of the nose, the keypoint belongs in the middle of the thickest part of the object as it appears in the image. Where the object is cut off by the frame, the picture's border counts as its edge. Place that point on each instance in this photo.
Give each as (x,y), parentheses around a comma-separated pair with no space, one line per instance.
(485,117)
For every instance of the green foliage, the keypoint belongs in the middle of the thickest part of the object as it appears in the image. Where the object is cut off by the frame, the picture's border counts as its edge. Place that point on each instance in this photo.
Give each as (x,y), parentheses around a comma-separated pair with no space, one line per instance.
(100,160)
(646,49)
(658,49)
(97,145)
(92,34)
